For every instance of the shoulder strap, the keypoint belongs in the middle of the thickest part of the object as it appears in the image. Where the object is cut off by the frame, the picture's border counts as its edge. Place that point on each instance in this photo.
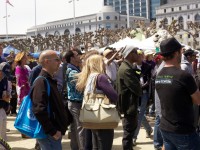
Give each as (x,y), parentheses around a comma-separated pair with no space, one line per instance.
(47,82)
(94,83)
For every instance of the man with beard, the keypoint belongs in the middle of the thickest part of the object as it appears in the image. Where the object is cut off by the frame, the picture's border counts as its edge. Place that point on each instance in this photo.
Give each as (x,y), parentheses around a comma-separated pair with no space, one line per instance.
(177,91)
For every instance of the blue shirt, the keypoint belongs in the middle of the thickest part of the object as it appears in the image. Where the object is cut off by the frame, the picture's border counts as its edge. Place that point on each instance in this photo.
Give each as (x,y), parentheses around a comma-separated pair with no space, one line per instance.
(73,94)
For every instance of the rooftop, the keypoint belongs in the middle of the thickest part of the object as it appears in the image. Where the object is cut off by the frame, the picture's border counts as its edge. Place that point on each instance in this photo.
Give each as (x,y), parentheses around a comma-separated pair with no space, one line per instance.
(179,2)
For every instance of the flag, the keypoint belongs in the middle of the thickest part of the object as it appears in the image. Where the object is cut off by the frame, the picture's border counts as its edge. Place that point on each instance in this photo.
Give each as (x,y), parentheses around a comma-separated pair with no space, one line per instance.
(7,1)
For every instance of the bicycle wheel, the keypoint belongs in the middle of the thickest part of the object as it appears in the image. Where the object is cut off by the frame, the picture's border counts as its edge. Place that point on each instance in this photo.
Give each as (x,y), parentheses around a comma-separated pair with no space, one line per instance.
(4,145)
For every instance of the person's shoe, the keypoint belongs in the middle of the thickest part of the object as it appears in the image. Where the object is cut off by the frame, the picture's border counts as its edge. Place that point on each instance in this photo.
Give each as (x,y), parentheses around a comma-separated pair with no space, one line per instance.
(37,146)
(14,114)
(134,142)
(148,133)
(7,130)
(69,135)
(24,136)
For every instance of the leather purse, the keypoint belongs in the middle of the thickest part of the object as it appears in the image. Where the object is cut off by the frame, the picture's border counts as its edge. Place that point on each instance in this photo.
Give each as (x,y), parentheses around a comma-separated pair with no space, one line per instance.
(97,112)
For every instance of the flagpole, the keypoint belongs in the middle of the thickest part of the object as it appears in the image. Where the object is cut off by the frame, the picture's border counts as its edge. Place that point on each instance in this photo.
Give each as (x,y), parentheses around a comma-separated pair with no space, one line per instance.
(35,19)
(6,23)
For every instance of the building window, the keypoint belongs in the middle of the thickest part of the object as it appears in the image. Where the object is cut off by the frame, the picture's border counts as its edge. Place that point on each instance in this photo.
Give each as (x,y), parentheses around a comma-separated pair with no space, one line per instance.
(116,25)
(188,6)
(78,30)
(164,10)
(165,21)
(56,33)
(99,25)
(46,34)
(90,27)
(115,17)
(197,18)
(188,16)
(196,5)
(180,21)
(108,25)
(99,18)
(66,32)
(108,17)
(89,20)
(172,9)
(172,18)
(179,8)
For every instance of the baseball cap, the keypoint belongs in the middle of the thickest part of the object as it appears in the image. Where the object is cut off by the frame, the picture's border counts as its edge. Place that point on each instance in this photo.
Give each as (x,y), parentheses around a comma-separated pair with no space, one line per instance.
(169,45)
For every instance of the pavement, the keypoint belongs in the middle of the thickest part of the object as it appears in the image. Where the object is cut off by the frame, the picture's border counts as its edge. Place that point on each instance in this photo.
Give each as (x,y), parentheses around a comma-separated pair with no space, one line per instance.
(17,143)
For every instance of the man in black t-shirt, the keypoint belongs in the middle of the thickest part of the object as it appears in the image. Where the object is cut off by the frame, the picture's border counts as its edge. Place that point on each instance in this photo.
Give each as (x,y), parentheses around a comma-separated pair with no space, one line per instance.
(177,92)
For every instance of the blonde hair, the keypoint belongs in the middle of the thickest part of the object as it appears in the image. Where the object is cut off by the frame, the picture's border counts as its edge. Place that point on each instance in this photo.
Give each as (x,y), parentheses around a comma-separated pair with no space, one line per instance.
(19,57)
(94,64)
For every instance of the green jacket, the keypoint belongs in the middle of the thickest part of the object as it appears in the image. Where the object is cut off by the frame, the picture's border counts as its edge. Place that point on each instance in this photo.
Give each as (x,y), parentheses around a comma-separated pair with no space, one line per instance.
(128,88)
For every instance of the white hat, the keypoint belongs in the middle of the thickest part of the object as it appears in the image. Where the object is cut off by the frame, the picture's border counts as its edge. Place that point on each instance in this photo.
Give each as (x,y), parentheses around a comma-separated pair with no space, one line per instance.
(148,52)
(106,52)
(129,48)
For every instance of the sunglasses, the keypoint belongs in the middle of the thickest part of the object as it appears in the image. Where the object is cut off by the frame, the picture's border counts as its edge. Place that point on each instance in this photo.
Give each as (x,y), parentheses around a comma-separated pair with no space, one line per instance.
(56,59)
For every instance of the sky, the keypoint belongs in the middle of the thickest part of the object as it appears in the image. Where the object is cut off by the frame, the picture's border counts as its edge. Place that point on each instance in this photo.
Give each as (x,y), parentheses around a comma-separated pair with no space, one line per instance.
(22,15)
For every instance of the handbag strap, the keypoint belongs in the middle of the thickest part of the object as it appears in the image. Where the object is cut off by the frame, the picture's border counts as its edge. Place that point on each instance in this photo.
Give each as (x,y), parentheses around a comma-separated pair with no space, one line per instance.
(94,83)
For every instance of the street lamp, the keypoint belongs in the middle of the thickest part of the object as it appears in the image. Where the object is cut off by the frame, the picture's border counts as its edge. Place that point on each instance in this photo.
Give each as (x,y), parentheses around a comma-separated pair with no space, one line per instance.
(127,12)
(74,15)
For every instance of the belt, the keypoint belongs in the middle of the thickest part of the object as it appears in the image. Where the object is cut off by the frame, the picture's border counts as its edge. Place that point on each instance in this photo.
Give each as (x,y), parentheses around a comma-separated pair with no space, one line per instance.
(73,101)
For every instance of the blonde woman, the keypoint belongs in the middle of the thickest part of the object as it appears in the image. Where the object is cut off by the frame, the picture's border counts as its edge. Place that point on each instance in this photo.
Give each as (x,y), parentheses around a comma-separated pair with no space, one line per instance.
(95,67)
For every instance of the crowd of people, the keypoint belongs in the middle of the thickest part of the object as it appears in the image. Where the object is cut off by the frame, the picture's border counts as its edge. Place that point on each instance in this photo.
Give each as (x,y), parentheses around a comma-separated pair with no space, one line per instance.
(163,86)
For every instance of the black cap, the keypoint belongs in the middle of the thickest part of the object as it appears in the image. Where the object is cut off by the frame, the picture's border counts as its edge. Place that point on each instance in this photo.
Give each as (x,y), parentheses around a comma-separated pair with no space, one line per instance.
(190,52)
(169,45)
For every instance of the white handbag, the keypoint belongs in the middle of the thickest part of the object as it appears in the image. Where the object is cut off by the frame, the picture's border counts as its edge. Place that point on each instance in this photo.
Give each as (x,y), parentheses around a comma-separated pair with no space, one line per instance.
(97,112)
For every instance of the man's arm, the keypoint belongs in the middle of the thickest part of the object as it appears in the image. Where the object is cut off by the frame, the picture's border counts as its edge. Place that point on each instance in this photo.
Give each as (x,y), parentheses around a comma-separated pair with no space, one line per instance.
(114,56)
(196,97)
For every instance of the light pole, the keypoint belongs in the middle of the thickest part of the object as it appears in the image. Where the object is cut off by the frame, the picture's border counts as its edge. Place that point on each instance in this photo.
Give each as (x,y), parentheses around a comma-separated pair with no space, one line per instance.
(127,12)
(74,15)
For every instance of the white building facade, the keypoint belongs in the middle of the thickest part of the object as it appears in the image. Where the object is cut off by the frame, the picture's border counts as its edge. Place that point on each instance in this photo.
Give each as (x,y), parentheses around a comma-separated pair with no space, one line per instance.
(183,11)
(106,18)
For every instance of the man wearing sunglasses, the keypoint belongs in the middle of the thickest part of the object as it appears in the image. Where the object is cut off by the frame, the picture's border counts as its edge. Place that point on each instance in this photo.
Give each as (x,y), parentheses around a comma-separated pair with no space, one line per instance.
(54,123)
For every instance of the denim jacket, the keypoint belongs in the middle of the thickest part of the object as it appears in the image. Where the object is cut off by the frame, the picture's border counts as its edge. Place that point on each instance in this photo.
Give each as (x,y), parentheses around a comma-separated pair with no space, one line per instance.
(73,94)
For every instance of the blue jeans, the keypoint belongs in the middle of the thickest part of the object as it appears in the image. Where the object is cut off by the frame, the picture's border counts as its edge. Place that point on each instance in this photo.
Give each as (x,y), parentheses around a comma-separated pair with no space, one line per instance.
(141,117)
(50,143)
(157,137)
(173,141)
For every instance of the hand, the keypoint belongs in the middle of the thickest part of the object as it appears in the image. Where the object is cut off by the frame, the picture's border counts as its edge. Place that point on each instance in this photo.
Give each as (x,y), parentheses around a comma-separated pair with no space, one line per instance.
(57,136)
(6,97)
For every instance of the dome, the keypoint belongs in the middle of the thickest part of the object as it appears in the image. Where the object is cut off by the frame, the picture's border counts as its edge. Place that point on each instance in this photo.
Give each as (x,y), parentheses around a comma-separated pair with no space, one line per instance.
(107,9)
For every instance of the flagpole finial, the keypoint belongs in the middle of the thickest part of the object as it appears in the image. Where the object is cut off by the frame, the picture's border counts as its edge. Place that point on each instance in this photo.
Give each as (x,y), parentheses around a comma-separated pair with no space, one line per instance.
(8,2)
